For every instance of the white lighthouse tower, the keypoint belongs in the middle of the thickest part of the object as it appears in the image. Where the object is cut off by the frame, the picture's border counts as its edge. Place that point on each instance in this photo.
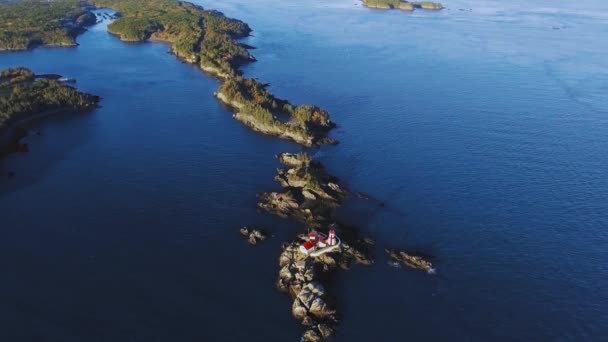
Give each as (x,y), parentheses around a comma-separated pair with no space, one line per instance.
(331,239)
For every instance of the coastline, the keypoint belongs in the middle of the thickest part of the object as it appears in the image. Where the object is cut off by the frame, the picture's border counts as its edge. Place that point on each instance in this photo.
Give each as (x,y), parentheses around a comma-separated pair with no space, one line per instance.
(27,97)
(12,133)
(257,126)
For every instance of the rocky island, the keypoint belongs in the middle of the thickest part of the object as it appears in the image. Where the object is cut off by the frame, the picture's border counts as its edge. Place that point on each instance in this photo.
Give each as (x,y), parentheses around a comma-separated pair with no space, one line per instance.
(25,96)
(258,109)
(310,195)
(402,5)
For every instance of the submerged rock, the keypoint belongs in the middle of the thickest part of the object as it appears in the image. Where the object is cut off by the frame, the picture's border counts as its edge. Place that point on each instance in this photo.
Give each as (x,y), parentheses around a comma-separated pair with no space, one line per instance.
(397,258)
(253,235)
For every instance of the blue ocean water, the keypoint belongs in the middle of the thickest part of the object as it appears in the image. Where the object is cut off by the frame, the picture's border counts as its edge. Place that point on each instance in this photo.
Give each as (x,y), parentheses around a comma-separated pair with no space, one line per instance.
(482,127)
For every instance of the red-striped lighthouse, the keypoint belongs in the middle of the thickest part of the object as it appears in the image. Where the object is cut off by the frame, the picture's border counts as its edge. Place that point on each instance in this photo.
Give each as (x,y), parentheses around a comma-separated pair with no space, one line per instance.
(331,239)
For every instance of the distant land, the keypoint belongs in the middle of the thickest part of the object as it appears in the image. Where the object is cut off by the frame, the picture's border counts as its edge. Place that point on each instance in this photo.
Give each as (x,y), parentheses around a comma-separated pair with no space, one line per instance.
(402,5)
(29,23)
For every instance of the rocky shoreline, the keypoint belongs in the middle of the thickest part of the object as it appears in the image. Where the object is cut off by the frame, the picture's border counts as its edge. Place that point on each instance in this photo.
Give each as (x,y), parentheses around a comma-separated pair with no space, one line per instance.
(310,195)
(26,97)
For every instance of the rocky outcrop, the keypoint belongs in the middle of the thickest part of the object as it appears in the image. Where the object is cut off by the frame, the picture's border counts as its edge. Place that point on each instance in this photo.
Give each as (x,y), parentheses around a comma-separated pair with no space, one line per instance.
(253,235)
(398,258)
(275,130)
(310,196)
(288,131)
(299,277)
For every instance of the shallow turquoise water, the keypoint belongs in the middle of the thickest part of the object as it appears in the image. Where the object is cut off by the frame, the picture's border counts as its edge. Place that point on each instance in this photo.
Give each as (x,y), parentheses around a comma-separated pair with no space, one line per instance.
(484,131)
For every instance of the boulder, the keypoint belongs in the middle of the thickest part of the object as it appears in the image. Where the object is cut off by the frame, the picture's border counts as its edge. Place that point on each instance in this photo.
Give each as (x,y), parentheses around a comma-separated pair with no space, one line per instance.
(325,330)
(311,300)
(311,335)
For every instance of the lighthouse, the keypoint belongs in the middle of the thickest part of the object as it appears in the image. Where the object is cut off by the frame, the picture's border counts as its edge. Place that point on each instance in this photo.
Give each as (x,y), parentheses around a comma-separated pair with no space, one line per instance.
(331,239)
(319,243)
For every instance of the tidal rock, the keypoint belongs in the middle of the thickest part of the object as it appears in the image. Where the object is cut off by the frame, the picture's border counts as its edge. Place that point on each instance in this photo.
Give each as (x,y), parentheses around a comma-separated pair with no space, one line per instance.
(409,260)
(352,255)
(311,195)
(294,160)
(312,300)
(253,235)
(299,276)
(311,335)
(325,330)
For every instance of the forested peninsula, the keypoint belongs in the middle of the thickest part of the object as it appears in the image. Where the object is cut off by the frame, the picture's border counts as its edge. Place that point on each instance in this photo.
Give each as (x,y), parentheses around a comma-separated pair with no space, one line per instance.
(24,95)
(209,39)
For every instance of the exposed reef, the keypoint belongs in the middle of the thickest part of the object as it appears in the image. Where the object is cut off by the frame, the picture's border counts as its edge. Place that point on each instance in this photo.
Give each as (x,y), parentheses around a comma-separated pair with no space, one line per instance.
(397,258)
(302,276)
(311,195)
(253,235)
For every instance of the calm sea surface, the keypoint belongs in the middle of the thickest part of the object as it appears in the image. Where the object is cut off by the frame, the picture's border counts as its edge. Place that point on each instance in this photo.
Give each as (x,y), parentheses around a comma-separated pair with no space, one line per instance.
(483,127)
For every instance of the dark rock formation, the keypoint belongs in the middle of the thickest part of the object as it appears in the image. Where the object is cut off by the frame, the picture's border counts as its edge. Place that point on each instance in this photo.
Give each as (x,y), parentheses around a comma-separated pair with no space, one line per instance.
(311,195)
(397,258)
(253,235)
(300,278)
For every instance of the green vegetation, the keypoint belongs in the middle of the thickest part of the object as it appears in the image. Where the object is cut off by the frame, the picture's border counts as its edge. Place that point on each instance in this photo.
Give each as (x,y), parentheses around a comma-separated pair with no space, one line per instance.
(22,95)
(402,5)
(305,122)
(28,23)
(197,35)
